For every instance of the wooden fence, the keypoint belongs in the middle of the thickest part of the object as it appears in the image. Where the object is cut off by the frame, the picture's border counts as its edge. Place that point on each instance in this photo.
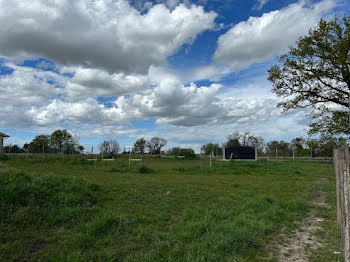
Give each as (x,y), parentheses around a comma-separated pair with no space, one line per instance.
(342,174)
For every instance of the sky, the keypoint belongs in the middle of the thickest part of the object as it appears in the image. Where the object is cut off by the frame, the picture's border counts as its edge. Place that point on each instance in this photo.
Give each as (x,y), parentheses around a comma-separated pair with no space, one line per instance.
(191,72)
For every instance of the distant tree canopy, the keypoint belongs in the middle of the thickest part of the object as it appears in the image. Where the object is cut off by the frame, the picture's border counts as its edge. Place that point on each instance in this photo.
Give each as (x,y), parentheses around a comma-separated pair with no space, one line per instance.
(245,139)
(110,146)
(139,146)
(13,149)
(60,142)
(316,74)
(40,143)
(188,153)
(155,145)
(210,147)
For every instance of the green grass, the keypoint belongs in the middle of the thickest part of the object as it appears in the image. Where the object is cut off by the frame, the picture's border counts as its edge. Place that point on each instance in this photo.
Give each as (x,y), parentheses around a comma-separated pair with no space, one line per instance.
(168,210)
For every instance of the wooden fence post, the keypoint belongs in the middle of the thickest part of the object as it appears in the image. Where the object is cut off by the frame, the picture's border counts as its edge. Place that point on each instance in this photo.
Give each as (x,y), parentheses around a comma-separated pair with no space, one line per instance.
(342,173)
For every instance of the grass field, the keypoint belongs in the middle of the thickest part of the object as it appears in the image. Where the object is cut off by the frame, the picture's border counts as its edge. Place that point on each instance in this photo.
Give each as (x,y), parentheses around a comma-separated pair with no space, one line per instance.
(171,210)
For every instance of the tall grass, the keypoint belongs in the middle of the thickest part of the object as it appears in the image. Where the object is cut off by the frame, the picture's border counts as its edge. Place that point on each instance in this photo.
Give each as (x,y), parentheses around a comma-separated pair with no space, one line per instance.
(76,210)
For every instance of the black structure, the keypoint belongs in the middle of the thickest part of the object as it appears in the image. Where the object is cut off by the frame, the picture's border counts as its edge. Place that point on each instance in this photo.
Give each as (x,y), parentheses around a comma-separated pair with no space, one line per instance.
(240,152)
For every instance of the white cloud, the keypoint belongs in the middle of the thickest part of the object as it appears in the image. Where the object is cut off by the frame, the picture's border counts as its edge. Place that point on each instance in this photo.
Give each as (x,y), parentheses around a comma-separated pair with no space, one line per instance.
(260,4)
(261,38)
(23,88)
(97,82)
(98,34)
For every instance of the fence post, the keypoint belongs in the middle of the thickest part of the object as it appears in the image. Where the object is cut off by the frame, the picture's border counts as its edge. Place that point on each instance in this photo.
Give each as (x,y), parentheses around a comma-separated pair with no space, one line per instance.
(342,173)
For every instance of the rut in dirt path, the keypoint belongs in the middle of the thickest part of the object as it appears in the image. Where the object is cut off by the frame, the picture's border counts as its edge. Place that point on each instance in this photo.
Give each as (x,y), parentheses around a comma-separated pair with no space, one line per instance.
(303,238)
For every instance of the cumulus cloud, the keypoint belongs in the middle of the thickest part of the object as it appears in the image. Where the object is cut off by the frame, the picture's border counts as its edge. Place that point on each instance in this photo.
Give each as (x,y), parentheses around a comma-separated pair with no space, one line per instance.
(261,38)
(98,34)
(97,82)
(23,88)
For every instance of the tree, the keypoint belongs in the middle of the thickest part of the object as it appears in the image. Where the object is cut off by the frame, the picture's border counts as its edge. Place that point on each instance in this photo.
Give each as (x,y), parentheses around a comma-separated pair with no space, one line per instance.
(188,153)
(245,139)
(328,143)
(104,147)
(313,145)
(139,146)
(256,141)
(155,145)
(109,147)
(80,149)
(59,138)
(233,140)
(114,146)
(315,74)
(40,144)
(13,149)
(281,146)
(210,147)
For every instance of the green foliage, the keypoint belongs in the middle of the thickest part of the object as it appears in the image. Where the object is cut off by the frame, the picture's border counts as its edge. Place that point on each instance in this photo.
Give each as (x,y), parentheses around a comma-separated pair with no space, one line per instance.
(315,74)
(210,147)
(59,139)
(245,139)
(188,153)
(4,157)
(139,146)
(155,145)
(41,144)
(145,170)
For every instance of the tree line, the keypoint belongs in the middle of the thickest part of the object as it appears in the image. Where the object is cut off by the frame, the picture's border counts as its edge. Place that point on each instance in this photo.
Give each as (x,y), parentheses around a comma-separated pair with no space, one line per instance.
(59,142)
(302,147)
(62,142)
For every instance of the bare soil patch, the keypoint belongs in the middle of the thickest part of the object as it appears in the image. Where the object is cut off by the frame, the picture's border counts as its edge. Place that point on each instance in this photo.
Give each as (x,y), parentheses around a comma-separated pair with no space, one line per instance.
(297,244)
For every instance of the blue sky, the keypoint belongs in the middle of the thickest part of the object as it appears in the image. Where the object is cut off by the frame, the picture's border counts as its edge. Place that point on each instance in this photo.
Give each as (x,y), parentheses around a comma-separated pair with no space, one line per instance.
(189,71)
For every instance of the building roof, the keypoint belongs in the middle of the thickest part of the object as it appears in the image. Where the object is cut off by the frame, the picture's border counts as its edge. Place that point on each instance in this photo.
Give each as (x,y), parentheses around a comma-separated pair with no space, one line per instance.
(4,135)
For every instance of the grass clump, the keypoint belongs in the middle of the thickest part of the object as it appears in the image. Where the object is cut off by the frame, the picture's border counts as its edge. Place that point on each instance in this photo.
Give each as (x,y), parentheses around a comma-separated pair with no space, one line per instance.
(33,207)
(145,170)
(4,157)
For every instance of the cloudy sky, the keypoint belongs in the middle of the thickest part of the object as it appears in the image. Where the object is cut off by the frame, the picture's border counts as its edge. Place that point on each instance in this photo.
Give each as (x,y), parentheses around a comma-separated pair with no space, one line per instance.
(189,71)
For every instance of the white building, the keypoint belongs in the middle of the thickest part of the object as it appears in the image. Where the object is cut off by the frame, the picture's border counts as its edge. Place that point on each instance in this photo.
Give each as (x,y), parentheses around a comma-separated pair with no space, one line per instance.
(2,136)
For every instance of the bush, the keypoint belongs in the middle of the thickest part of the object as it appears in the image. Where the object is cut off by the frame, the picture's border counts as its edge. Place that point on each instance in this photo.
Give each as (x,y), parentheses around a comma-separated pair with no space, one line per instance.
(145,170)
(4,157)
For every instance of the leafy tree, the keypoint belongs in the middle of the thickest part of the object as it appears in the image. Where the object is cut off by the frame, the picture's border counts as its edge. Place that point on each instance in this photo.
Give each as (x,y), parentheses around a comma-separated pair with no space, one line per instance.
(328,143)
(15,149)
(210,147)
(80,149)
(188,153)
(155,145)
(40,144)
(139,146)
(233,140)
(60,139)
(256,141)
(313,145)
(316,74)
(245,139)
(282,148)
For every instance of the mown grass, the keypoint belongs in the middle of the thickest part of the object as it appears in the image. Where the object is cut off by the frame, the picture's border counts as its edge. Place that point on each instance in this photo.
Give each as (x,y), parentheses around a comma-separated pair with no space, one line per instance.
(168,210)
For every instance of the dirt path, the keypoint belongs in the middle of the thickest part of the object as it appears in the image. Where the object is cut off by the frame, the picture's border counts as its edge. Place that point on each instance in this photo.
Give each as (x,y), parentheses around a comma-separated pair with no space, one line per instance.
(303,238)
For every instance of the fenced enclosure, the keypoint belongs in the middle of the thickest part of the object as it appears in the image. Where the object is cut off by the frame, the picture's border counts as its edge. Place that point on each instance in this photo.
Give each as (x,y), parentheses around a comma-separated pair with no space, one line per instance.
(342,174)
(240,152)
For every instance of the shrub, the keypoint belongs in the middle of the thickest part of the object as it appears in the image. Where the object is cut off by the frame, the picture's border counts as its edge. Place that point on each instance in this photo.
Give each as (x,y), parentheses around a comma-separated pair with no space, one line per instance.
(4,157)
(145,170)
